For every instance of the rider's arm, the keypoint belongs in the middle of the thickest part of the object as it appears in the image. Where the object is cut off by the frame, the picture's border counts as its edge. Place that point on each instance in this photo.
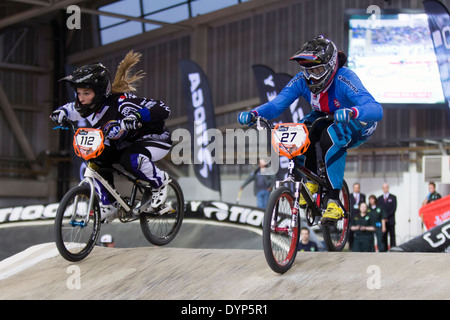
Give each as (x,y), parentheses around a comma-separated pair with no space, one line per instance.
(363,105)
(149,110)
(69,110)
(158,111)
(293,90)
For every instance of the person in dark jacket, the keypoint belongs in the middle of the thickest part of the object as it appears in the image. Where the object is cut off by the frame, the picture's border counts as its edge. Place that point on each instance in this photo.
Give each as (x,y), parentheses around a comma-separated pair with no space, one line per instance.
(304,243)
(363,228)
(356,198)
(262,186)
(379,219)
(433,195)
(388,202)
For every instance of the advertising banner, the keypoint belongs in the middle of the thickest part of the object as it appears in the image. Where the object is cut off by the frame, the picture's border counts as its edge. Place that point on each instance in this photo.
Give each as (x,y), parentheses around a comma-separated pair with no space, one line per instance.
(439,23)
(436,212)
(434,240)
(200,112)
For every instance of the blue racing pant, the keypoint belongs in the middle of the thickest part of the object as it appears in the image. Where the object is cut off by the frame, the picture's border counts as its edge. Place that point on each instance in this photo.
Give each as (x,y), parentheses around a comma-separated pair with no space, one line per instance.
(330,141)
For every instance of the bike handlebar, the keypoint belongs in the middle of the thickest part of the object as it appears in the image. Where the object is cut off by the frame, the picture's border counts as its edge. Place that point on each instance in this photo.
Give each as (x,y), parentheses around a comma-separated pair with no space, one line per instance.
(66,124)
(258,120)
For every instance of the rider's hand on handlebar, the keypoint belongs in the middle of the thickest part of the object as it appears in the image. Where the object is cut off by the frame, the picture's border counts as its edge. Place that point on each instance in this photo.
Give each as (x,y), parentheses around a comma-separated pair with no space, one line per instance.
(58,116)
(246,117)
(131,122)
(343,115)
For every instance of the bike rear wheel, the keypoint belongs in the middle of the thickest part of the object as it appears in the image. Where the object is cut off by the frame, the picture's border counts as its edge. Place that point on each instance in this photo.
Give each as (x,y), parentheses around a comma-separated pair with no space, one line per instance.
(336,236)
(160,229)
(280,234)
(76,229)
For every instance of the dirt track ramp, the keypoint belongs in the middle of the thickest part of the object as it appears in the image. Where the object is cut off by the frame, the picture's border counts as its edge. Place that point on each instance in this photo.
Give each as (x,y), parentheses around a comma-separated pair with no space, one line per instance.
(171,273)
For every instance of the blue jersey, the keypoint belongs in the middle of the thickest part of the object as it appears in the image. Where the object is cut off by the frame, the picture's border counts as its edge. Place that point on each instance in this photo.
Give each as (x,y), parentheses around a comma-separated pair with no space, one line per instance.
(345,91)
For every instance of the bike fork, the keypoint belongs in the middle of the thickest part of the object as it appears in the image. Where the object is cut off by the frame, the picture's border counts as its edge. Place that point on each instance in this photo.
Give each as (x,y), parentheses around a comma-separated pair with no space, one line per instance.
(296,208)
(90,208)
(295,214)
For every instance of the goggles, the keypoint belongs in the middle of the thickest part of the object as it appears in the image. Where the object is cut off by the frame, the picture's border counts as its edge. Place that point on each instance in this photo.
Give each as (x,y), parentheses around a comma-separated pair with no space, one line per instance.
(316,72)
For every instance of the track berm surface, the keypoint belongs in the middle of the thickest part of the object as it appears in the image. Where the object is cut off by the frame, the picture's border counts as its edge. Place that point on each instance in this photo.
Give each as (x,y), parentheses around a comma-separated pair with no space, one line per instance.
(190,274)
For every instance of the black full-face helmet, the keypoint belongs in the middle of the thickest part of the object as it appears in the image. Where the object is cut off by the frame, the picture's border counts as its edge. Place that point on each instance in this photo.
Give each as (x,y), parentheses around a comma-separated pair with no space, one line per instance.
(93,76)
(318,60)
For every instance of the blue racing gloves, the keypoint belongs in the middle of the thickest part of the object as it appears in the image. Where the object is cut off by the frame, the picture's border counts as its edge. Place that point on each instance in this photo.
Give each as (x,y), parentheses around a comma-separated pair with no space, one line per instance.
(343,115)
(246,117)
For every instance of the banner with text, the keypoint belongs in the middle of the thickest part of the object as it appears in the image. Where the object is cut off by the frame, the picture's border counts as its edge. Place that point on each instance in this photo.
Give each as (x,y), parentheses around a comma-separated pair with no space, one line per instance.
(200,112)
(439,23)
(436,212)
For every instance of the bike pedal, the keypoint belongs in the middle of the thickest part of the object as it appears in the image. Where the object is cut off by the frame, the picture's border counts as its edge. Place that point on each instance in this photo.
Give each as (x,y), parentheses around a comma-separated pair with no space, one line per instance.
(166,209)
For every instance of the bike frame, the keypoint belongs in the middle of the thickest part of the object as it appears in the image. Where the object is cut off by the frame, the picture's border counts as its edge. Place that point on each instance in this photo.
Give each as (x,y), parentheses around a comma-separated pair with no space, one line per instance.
(300,186)
(91,176)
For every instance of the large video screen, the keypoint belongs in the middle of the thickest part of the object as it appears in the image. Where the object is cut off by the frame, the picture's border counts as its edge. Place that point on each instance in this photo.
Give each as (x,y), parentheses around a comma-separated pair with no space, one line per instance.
(394,57)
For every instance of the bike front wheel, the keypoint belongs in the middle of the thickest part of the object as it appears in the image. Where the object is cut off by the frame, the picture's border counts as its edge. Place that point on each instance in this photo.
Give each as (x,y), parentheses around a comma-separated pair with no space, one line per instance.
(280,230)
(76,228)
(336,236)
(162,226)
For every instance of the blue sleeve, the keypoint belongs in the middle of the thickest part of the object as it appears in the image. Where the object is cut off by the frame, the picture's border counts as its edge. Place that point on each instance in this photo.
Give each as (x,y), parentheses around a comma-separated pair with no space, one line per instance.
(365,107)
(293,90)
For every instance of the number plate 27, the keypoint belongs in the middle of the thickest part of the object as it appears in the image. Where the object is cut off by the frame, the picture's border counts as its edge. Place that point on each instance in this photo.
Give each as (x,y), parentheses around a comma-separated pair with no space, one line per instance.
(88,143)
(290,139)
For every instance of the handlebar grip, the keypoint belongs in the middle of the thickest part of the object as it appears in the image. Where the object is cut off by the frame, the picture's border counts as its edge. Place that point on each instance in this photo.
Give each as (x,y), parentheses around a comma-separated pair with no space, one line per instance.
(65,120)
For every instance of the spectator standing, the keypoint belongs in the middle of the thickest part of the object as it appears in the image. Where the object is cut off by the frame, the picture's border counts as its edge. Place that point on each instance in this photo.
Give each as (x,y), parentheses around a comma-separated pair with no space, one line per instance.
(262,184)
(356,198)
(379,218)
(432,194)
(363,228)
(388,202)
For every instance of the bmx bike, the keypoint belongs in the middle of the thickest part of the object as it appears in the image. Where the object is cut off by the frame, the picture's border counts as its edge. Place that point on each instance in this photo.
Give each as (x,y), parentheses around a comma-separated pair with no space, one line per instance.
(78,218)
(281,224)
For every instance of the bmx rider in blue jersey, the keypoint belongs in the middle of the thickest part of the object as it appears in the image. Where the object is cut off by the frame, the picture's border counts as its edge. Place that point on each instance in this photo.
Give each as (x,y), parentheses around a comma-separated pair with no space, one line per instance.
(331,89)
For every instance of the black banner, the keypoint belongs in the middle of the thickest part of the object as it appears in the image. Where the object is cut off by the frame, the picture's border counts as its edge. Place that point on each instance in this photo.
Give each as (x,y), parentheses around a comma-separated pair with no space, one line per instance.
(436,239)
(439,23)
(270,84)
(200,112)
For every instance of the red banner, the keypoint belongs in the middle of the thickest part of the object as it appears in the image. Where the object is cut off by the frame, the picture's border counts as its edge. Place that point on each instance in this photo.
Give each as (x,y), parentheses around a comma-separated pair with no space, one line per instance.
(435,213)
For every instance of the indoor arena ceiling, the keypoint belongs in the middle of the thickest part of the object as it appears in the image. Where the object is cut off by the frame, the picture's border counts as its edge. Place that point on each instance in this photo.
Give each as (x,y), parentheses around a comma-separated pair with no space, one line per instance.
(14,12)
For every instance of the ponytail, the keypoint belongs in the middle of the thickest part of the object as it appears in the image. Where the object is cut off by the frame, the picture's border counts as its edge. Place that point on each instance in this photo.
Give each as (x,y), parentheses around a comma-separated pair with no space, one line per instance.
(342,59)
(124,81)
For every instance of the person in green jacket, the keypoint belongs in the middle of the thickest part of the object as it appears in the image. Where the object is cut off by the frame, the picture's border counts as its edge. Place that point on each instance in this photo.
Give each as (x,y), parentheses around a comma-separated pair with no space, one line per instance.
(363,228)
(379,218)
(433,195)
